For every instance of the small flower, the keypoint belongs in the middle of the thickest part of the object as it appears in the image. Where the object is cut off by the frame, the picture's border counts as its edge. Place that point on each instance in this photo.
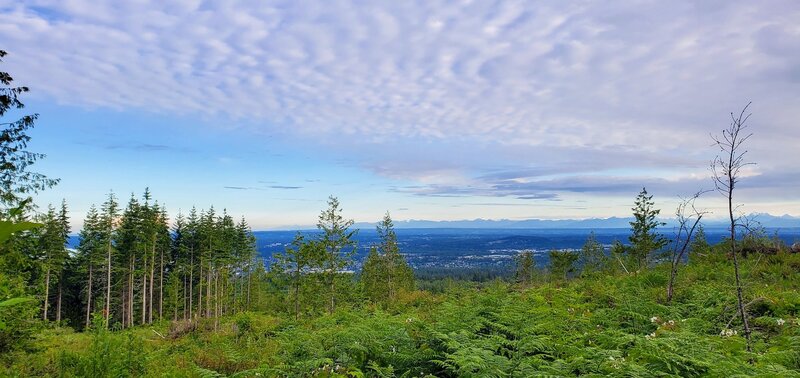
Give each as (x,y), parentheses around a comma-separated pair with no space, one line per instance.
(654,319)
(650,336)
(671,322)
(728,332)
(780,322)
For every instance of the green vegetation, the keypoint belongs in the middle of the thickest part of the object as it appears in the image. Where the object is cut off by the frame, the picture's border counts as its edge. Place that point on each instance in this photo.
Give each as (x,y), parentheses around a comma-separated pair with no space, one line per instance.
(612,324)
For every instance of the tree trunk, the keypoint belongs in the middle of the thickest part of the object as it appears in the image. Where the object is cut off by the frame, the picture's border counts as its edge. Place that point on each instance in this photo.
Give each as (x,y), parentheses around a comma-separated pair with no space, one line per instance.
(670,287)
(161,285)
(297,294)
(200,290)
(130,290)
(185,300)
(249,278)
(152,275)
(739,296)
(107,310)
(175,308)
(46,293)
(89,297)
(58,301)
(208,291)
(191,282)
(144,289)
(124,303)
(217,303)
(333,291)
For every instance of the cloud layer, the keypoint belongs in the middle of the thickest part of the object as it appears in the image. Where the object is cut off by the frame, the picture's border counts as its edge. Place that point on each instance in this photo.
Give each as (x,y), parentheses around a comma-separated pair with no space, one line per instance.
(512,98)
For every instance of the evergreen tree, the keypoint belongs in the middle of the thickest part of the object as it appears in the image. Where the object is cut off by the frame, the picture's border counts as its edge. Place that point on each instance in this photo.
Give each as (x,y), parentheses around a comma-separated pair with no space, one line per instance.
(179,263)
(593,258)
(699,243)
(245,256)
(63,255)
(106,234)
(90,251)
(17,183)
(562,263)
(52,245)
(372,270)
(295,263)
(526,267)
(385,272)
(337,242)
(644,236)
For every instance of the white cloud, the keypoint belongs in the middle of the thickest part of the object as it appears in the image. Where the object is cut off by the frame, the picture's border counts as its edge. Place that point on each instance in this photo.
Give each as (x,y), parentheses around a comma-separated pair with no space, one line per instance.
(636,83)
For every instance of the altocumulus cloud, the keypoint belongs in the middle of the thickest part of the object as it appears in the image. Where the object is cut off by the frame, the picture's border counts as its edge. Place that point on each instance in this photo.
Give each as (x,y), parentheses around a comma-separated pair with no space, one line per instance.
(519,90)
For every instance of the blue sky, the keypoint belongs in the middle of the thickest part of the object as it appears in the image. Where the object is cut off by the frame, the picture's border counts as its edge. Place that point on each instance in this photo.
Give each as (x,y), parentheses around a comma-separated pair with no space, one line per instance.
(430,110)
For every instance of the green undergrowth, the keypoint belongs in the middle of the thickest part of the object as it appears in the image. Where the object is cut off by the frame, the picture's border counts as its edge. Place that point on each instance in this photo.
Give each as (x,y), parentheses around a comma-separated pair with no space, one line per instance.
(603,325)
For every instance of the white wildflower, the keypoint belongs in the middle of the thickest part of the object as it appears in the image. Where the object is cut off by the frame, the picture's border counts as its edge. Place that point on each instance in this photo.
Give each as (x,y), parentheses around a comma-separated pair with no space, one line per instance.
(671,322)
(650,336)
(728,332)
(654,319)
(780,322)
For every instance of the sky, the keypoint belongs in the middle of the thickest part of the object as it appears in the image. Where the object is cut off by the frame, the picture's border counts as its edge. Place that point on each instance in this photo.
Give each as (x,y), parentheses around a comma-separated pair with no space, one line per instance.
(427,109)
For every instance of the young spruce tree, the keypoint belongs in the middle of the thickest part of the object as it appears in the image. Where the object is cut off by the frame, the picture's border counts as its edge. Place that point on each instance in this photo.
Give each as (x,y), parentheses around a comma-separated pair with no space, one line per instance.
(338,245)
(644,236)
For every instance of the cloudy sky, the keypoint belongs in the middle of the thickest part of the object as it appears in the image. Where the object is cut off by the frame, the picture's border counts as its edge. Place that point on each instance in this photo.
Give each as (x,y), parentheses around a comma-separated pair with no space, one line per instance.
(427,109)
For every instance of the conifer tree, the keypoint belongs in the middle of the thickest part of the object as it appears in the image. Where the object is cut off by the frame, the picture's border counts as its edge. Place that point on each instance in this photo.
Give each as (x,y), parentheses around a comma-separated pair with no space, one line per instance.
(90,248)
(179,258)
(644,236)
(17,182)
(699,244)
(562,263)
(106,230)
(526,266)
(385,272)
(295,262)
(593,258)
(63,255)
(338,245)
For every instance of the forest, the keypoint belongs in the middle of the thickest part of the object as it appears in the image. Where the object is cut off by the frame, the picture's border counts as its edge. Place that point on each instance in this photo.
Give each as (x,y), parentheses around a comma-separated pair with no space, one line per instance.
(145,295)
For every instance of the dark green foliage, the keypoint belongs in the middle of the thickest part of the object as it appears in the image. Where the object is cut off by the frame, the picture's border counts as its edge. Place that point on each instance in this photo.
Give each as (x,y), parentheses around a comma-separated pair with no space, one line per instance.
(336,240)
(108,355)
(592,256)
(17,182)
(603,325)
(562,263)
(385,272)
(526,267)
(645,240)
(699,245)
(294,266)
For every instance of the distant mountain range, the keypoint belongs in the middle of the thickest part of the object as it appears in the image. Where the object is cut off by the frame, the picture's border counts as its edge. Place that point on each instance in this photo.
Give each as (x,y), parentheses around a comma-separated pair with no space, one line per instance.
(766,220)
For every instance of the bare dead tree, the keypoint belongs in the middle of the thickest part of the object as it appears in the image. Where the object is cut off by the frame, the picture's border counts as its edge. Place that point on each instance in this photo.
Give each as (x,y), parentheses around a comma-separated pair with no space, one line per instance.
(726,169)
(688,217)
